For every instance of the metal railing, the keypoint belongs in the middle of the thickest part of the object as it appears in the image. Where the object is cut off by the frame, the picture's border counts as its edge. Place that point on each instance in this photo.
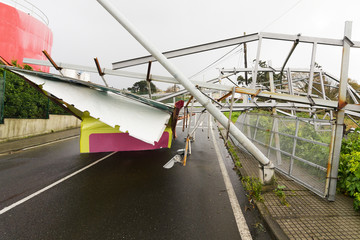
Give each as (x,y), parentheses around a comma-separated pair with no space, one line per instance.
(298,147)
(29,8)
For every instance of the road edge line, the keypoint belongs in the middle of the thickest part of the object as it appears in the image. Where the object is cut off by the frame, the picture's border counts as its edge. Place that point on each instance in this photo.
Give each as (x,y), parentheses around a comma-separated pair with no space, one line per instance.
(239,217)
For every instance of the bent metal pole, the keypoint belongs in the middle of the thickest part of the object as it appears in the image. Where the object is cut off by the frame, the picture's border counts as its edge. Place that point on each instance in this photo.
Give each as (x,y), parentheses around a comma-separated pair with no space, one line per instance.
(182,79)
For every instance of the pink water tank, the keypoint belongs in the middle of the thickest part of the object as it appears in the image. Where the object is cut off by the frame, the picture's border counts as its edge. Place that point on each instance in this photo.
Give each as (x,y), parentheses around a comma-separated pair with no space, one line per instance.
(23,36)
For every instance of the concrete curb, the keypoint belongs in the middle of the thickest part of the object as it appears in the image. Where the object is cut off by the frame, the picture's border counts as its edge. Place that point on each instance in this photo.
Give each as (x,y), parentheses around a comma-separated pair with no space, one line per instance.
(20,144)
(272,225)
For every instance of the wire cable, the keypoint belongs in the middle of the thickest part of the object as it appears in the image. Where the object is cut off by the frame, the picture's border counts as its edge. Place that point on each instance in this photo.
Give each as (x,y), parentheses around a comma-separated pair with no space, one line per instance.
(217,61)
(282,15)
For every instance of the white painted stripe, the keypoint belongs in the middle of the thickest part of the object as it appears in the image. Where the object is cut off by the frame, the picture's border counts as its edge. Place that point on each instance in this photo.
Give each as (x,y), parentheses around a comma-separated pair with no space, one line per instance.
(49,143)
(239,217)
(4,210)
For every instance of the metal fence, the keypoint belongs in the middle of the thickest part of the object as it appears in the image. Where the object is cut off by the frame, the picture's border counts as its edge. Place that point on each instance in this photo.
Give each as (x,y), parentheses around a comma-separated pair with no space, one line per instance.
(298,147)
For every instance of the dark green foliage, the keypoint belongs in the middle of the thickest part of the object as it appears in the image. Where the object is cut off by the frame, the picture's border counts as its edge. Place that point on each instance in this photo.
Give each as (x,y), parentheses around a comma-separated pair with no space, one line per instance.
(262,77)
(349,167)
(254,187)
(141,87)
(281,194)
(234,155)
(24,101)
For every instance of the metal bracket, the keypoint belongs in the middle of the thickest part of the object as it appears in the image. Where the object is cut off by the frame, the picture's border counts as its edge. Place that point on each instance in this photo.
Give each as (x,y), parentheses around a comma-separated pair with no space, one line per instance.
(52,61)
(312,102)
(348,41)
(101,73)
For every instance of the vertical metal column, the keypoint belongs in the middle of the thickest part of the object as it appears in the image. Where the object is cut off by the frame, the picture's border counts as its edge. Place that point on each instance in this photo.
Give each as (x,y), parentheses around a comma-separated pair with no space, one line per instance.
(255,72)
(341,112)
(294,147)
(322,85)
(291,88)
(256,126)
(275,129)
(312,66)
(148,81)
(245,62)
(230,113)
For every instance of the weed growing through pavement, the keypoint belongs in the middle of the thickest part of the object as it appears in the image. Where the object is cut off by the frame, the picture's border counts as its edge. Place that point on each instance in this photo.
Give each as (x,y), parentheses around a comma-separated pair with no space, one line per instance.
(233,153)
(260,227)
(280,193)
(253,186)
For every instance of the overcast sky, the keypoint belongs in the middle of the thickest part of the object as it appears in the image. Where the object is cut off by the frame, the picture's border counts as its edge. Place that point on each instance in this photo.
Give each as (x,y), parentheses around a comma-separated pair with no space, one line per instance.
(83,30)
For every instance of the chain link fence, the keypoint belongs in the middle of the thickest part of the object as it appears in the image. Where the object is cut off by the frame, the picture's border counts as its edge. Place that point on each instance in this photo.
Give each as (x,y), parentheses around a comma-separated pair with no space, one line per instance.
(298,147)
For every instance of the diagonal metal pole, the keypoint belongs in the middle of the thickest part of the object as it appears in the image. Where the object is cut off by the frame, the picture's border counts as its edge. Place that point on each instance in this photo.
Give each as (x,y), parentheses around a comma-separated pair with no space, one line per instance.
(179,76)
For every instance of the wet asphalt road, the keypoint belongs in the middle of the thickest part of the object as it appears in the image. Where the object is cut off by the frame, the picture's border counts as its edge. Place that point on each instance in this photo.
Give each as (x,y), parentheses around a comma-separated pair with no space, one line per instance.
(128,195)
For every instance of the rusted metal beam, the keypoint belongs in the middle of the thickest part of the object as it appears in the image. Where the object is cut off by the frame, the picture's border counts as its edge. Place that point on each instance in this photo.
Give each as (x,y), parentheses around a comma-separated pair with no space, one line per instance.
(224,97)
(340,115)
(148,80)
(51,60)
(2,60)
(101,73)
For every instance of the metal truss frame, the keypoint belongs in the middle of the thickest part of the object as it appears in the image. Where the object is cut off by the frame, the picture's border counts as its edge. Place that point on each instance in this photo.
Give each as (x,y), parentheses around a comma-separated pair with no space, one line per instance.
(287,99)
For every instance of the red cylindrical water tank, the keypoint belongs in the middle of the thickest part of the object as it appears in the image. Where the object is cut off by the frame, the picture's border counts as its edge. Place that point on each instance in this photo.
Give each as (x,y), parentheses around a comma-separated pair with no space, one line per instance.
(23,36)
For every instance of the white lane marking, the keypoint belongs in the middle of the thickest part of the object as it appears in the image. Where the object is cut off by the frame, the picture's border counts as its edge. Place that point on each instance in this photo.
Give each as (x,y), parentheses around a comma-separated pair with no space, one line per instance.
(49,143)
(239,217)
(4,210)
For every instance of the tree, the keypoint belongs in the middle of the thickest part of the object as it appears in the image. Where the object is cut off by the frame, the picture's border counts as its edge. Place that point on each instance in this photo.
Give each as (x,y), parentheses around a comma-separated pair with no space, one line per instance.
(172,88)
(23,101)
(141,87)
(262,77)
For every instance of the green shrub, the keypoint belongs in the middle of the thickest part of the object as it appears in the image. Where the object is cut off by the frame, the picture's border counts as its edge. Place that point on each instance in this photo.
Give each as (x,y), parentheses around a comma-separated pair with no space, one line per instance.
(234,116)
(349,167)
(23,101)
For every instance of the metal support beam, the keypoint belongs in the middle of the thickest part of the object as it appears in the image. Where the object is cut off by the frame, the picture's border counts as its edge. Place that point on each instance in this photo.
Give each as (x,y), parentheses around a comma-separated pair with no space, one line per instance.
(101,73)
(296,42)
(2,60)
(187,51)
(182,92)
(256,68)
(312,66)
(230,113)
(245,62)
(106,71)
(263,160)
(291,87)
(306,39)
(47,55)
(230,42)
(148,80)
(322,85)
(341,112)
